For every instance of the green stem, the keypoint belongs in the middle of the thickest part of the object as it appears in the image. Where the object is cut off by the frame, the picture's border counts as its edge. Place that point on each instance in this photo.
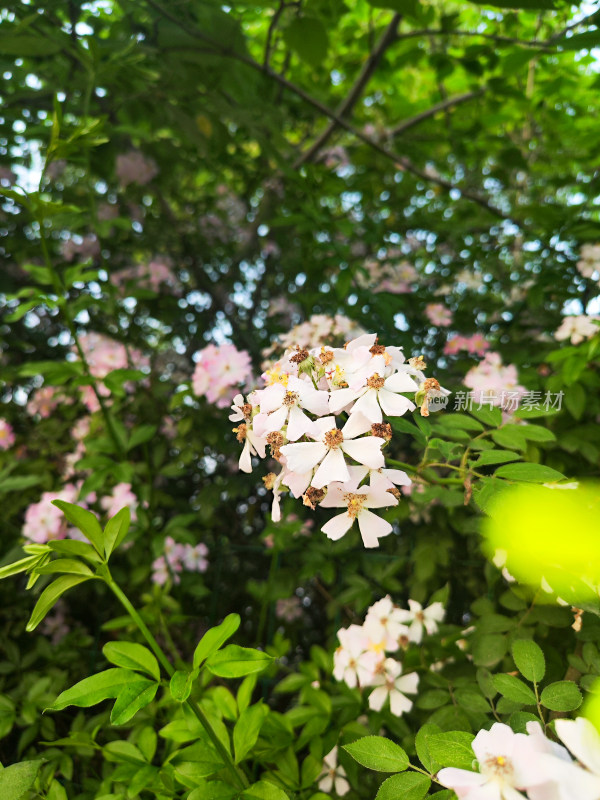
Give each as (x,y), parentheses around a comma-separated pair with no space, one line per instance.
(236,772)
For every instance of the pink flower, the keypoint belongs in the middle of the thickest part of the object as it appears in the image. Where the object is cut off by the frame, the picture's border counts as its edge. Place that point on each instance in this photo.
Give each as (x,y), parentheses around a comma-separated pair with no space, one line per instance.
(43,401)
(7,436)
(493,383)
(438,315)
(288,609)
(82,247)
(134,167)
(44,521)
(121,497)
(219,370)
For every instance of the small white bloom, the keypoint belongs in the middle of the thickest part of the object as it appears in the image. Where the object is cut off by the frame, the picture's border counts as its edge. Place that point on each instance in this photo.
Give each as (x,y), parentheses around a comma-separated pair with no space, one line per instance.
(333,775)
(392,684)
(418,618)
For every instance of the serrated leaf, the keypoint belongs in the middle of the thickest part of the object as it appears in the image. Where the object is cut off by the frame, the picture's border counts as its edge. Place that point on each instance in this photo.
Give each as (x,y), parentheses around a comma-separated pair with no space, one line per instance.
(452,749)
(513,688)
(214,638)
(561,696)
(17,779)
(378,753)
(131,655)
(529,658)
(408,786)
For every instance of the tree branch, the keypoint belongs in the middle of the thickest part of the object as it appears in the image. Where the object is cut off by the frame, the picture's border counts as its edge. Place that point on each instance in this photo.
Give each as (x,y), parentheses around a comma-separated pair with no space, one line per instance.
(403,126)
(369,67)
(401,162)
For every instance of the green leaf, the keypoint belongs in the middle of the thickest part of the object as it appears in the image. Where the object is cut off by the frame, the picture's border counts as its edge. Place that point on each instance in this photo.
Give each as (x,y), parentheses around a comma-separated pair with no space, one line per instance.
(422,738)
(263,790)
(561,696)
(17,779)
(22,565)
(489,416)
(517,4)
(69,566)
(513,688)
(132,656)
(213,790)
(235,662)
(532,473)
(496,457)
(141,434)
(71,547)
(307,37)
(49,597)
(22,45)
(246,730)
(181,685)
(131,698)
(19,482)
(529,658)
(214,638)
(94,689)
(408,786)
(488,649)
(116,530)
(84,520)
(452,749)
(378,753)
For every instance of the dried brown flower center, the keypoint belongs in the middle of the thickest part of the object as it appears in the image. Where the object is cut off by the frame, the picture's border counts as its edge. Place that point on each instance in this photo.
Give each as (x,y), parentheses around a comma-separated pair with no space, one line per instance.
(377,350)
(382,429)
(418,362)
(241,432)
(498,765)
(430,384)
(246,410)
(375,381)
(355,503)
(290,399)
(313,496)
(395,492)
(269,480)
(300,355)
(334,438)
(325,356)
(275,440)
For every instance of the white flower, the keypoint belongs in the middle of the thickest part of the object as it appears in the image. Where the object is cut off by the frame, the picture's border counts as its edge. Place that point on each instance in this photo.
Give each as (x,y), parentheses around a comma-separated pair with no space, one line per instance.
(373,393)
(384,614)
(333,776)
(352,663)
(281,405)
(357,500)
(418,618)
(577,328)
(253,445)
(583,740)
(328,452)
(391,683)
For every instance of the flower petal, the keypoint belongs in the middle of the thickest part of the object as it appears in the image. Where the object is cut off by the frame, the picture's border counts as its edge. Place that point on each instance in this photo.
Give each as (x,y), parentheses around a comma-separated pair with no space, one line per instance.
(298,424)
(366,451)
(332,468)
(377,698)
(400,382)
(394,405)
(336,527)
(372,528)
(303,456)
(368,405)
(341,398)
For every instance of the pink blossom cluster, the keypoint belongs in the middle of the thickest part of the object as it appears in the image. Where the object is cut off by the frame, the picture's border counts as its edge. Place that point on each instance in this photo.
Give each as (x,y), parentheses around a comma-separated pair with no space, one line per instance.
(519,765)
(135,167)
(577,328)
(103,354)
(43,401)
(327,461)
(494,383)
(80,247)
(388,276)
(7,436)
(315,330)
(78,433)
(589,262)
(475,345)
(121,497)
(156,275)
(288,609)
(179,557)
(44,521)
(361,659)
(438,315)
(334,157)
(219,370)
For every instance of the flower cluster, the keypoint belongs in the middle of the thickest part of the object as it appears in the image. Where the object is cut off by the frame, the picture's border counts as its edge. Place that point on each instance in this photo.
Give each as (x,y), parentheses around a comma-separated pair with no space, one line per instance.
(577,328)
(44,521)
(311,333)
(512,763)
(43,401)
(178,557)
(361,660)
(219,370)
(121,496)
(7,437)
(155,276)
(134,167)
(389,276)
(103,355)
(475,345)
(492,382)
(438,315)
(327,461)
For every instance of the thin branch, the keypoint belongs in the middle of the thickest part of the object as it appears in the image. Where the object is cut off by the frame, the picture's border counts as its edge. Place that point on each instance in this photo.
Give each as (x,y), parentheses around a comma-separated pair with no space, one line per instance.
(403,126)
(401,162)
(271,31)
(369,67)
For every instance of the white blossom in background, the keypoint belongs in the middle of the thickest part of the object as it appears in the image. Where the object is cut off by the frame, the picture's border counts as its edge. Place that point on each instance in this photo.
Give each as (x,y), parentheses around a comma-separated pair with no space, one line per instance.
(333,777)
(589,262)
(392,685)
(577,328)
(418,618)
(323,415)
